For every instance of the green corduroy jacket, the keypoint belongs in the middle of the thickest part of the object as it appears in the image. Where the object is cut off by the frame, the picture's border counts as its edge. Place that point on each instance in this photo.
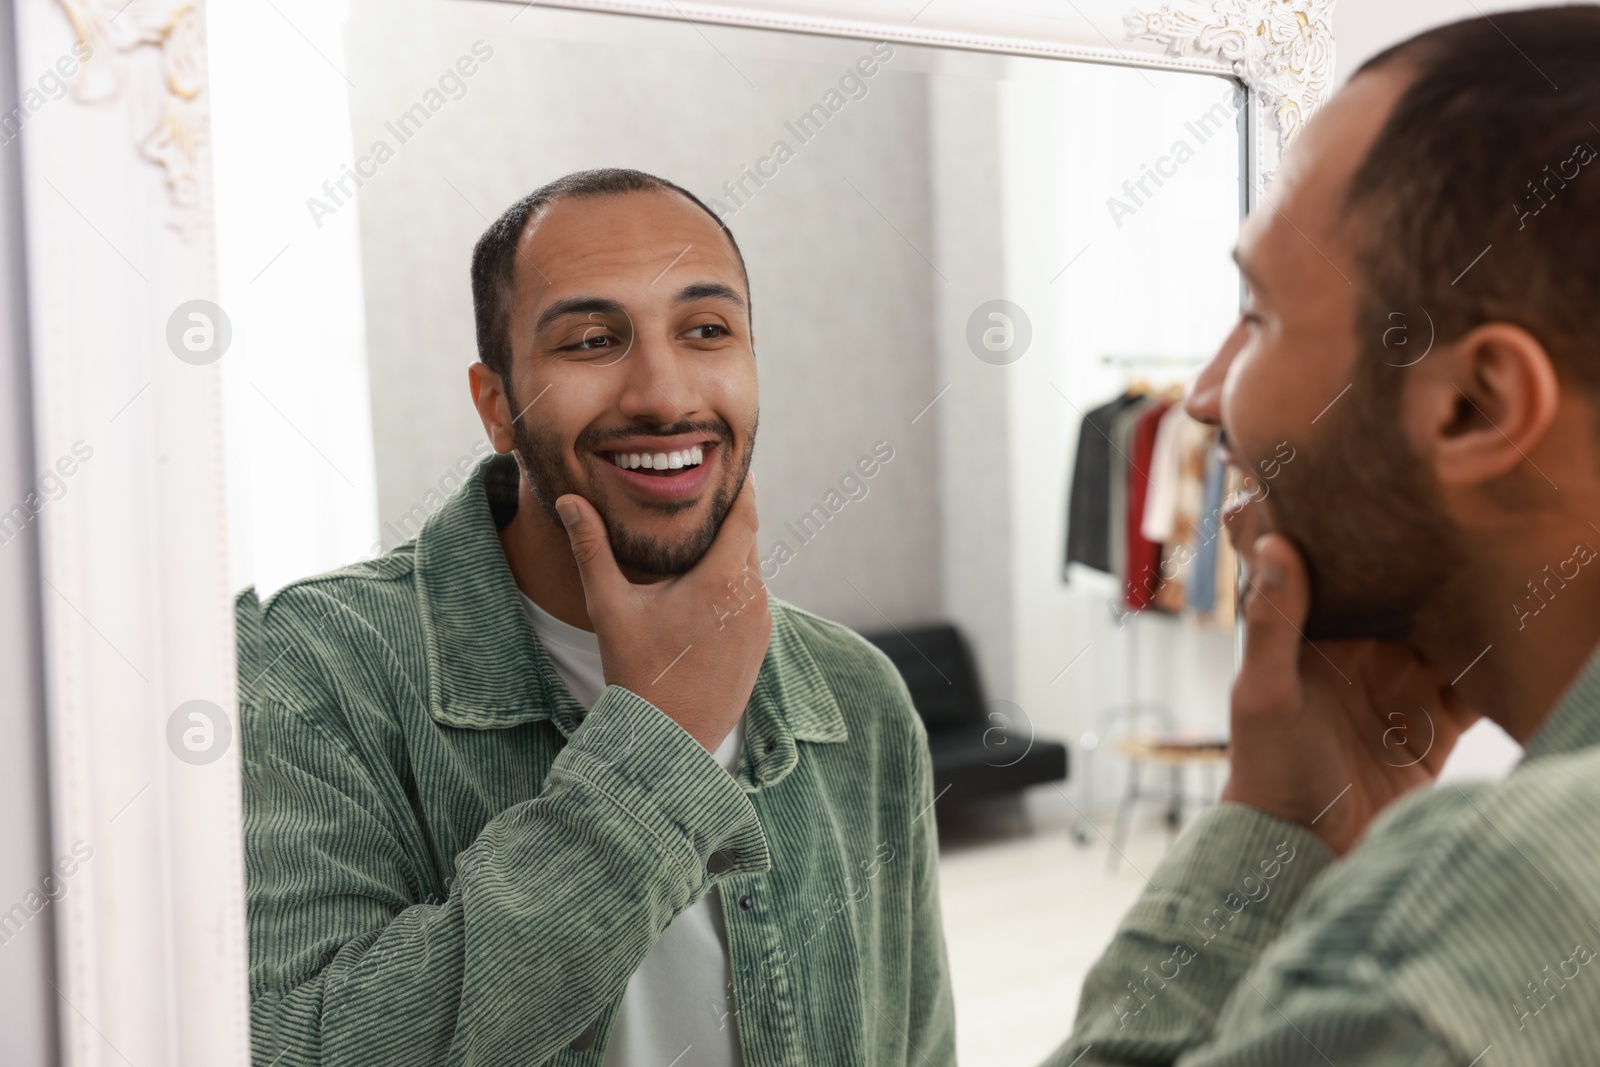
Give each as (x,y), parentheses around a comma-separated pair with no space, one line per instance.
(449,862)
(1463,929)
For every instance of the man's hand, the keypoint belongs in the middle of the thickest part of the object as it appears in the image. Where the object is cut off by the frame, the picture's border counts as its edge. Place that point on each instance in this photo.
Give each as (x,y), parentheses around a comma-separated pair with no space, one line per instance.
(676,643)
(1328,735)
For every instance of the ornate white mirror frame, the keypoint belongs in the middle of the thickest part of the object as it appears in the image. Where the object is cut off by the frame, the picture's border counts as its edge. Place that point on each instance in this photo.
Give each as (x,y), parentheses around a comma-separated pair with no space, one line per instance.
(119,220)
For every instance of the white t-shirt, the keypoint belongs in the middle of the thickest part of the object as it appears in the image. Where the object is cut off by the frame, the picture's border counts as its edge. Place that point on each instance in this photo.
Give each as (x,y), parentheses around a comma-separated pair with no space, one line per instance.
(679,1007)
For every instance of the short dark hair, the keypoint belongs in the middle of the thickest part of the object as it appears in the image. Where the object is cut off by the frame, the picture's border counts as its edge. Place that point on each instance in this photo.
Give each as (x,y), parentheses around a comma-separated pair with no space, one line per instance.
(494,256)
(1473,203)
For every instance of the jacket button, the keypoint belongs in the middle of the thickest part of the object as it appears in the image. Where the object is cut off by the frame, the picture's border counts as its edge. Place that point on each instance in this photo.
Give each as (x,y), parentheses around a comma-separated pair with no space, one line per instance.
(747,902)
(720,861)
(585,1041)
(772,746)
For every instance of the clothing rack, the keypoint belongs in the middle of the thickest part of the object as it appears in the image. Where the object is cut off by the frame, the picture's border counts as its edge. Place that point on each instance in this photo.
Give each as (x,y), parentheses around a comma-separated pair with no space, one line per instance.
(1132,711)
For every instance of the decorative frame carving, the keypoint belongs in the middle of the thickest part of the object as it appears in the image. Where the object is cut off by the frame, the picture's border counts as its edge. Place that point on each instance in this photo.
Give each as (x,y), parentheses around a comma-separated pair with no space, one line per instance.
(170,119)
(137,613)
(1282,50)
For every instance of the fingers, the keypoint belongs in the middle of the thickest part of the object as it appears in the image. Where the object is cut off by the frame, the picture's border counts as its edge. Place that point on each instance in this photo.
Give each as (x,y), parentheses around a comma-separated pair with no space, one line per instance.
(1275,607)
(591,547)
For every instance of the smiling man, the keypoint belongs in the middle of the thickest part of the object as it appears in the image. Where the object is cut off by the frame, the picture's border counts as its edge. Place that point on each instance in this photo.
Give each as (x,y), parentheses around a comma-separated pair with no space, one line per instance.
(524,790)
(1421,327)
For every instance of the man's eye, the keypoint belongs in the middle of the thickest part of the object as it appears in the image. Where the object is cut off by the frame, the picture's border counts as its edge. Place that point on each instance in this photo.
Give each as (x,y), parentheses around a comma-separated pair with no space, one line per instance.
(1251,318)
(591,343)
(716,330)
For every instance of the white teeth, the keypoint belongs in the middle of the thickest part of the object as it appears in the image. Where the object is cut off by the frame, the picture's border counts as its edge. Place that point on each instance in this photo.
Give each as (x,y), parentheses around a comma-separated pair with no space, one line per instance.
(686,457)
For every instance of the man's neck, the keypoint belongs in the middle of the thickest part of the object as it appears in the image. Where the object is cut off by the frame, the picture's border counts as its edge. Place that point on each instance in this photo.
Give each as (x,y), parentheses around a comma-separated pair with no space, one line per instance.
(1517,648)
(540,556)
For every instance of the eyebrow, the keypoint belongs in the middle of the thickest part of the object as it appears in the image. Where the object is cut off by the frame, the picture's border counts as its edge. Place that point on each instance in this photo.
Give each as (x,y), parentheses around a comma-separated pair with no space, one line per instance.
(578,305)
(710,291)
(599,305)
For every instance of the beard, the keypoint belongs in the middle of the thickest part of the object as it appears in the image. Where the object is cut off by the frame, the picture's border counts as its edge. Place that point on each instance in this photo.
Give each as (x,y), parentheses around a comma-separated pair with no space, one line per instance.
(542,456)
(1368,519)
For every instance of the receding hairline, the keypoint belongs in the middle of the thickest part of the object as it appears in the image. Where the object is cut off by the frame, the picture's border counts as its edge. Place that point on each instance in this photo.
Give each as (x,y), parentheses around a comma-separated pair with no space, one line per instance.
(1362,200)
(542,211)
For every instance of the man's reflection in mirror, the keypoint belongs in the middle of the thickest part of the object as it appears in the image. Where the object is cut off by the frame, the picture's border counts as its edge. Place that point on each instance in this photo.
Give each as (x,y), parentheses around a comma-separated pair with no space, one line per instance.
(556,781)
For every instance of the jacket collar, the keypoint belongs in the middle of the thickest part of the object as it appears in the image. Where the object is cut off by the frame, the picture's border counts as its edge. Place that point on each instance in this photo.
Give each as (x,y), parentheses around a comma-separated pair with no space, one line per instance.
(1575,722)
(487,669)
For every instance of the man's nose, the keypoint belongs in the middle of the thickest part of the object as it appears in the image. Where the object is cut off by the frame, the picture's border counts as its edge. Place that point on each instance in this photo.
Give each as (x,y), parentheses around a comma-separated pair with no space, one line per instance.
(1203,399)
(657,386)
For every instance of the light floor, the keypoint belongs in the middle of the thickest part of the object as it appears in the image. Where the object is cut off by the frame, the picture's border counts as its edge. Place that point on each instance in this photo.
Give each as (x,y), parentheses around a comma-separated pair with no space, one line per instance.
(1027,911)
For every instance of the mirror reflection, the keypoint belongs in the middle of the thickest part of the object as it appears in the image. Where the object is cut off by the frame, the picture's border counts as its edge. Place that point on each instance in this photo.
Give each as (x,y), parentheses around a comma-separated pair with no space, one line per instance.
(564,740)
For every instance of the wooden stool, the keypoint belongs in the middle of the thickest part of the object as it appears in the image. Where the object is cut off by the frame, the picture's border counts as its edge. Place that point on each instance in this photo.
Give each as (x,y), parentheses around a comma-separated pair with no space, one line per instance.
(1177,751)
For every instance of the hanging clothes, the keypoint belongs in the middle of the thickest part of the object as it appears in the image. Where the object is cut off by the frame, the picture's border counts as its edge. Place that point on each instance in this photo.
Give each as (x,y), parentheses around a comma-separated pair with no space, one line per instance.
(1141,568)
(1209,537)
(1173,508)
(1177,476)
(1122,470)
(1089,504)
(1144,506)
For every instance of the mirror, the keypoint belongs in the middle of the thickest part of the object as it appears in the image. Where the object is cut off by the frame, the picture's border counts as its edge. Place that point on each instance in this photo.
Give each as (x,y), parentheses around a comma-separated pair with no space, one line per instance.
(981,277)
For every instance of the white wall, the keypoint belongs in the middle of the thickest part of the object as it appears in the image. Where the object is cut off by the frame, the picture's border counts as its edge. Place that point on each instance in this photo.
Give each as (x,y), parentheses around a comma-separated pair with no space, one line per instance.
(969,241)
(1363,28)
(302,494)
(1157,283)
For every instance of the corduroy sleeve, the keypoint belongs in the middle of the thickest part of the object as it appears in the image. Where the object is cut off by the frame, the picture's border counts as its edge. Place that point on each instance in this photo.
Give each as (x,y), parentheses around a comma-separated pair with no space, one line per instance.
(1338,1025)
(551,909)
(931,1028)
(1221,896)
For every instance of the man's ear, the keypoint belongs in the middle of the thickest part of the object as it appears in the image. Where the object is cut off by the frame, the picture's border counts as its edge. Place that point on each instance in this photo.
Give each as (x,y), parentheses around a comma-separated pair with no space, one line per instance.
(1487,403)
(489,397)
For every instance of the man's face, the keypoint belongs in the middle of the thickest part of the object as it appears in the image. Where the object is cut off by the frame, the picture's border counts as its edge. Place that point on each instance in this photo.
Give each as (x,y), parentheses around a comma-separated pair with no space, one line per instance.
(1310,410)
(633,374)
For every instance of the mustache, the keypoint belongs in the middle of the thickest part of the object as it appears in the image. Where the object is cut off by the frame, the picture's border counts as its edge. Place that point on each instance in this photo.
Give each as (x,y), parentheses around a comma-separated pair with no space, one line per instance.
(594,438)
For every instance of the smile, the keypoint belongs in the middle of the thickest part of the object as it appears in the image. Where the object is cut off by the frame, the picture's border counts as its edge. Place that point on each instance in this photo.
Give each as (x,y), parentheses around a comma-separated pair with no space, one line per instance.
(662,470)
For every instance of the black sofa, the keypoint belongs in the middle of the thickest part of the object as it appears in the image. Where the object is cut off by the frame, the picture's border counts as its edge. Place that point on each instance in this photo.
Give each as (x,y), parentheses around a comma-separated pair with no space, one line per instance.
(979,750)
